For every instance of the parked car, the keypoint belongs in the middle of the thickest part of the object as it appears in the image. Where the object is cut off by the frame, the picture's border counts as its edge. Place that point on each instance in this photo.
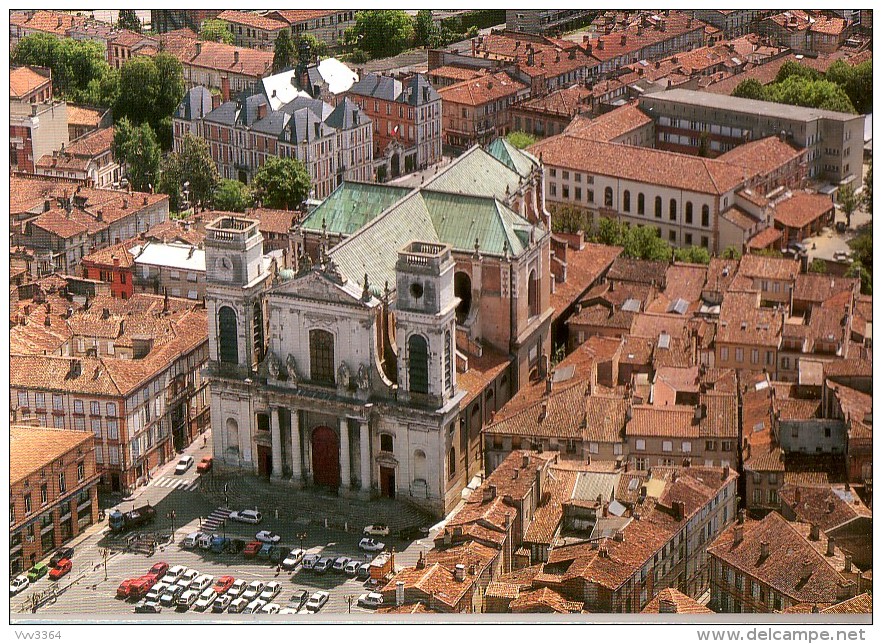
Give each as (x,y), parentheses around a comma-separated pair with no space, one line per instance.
(266,552)
(62,553)
(323,565)
(340,564)
(377,530)
(364,571)
(309,561)
(146,606)
(271,609)
(237,588)
(370,600)
(316,601)
(187,577)
(268,537)
(206,598)
(298,598)
(235,546)
(252,549)
(254,606)
(18,584)
(154,594)
(288,610)
(351,568)
(270,591)
(223,584)
(141,586)
(253,590)
(64,566)
(246,516)
(204,541)
(37,571)
(173,574)
(413,532)
(171,594)
(125,587)
(371,545)
(191,540)
(205,464)
(187,599)
(158,570)
(219,544)
(221,603)
(184,464)
(292,559)
(201,583)
(237,605)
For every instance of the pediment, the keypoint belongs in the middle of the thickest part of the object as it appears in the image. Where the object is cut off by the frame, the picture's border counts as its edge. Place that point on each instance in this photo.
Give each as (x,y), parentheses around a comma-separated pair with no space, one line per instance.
(316,285)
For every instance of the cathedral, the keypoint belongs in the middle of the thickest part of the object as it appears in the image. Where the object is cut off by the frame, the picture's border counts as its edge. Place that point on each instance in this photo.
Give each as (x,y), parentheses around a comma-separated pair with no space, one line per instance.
(404,319)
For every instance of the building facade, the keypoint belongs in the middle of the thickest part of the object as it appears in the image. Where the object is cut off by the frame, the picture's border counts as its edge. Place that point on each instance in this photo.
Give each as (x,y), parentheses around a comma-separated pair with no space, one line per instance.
(37,122)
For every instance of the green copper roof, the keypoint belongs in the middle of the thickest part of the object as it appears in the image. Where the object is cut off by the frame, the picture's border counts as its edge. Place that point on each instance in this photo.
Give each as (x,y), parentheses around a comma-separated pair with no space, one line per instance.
(351,206)
(477,172)
(518,160)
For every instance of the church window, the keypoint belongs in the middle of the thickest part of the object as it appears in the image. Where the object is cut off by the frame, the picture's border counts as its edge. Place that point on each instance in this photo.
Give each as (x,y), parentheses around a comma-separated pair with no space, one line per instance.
(386,443)
(228,340)
(418,364)
(533,294)
(321,356)
(462,288)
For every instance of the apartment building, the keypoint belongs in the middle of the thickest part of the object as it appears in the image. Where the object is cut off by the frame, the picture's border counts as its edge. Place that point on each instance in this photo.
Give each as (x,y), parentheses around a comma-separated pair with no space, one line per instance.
(748,335)
(259,30)
(89,160)
(547,21)
(732,22)
(53,494)
(37,122)
(175,268)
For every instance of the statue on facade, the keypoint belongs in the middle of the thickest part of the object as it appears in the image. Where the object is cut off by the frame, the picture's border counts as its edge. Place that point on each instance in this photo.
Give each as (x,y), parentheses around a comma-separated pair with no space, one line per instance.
(343,375)
(273,367)
(291,367)
(363,378)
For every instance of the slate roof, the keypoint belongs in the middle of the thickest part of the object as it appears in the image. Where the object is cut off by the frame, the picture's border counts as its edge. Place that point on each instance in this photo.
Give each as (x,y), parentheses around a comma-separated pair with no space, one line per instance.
(195,104)
(377,86)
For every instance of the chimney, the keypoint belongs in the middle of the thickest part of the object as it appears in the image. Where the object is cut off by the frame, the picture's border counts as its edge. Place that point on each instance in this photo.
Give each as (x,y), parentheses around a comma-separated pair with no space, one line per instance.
(806,571)
(215,101)
(399,593)
(624,39)
(831,505)
(796,495)
(100,214)
(543,413)
(600,44)
(198,48)
(421,562)
(815,532)
(679,510)
(125,203)
(667,605)
(236,57)
(619,536)
(459,573)
(738,535)
(261,111)
(47,321)
(847,563)
(525,461)
(741,516)
(515,474)
(548,385)
(831,546)
(489,493)
(603,552)
(145,200)
(105,313)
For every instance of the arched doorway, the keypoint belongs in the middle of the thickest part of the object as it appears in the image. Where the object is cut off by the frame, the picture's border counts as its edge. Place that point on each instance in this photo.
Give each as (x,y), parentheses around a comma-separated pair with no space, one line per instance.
(325,457)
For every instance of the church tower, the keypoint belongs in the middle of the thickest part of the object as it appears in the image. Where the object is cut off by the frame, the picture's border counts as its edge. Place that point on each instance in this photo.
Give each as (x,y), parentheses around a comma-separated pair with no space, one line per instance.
(425,324)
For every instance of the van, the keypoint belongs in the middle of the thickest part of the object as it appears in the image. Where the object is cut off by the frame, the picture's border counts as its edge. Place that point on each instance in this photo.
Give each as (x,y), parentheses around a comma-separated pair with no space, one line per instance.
(204,541)
(191,540)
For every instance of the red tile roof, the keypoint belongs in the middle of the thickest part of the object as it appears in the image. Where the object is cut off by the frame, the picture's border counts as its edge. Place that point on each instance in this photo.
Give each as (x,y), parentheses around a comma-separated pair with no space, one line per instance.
(33,448)
(24,80)
(614,45)
(609,126)
(294,16)
(562,102)
(481,90)
(802,209)
(766,238)
(763,156)
(251,20)
(671,600)
(52,22)
(771,268)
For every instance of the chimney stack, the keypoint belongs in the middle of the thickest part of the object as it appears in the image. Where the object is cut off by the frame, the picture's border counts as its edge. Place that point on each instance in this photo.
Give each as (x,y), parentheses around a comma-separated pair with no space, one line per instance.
(548,385)
(831,505)
(525,461)
(847,563)
(399,593)
(796,494)
(667,605)
(764,549)
(460,572)
(815,532)
(831,546)
(807,569)
(738,535)
(198,48)
(236,57)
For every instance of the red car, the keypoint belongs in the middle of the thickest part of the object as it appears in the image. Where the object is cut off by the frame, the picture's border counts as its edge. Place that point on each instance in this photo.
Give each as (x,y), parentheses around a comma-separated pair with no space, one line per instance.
(158,569)
(141,586)
(252,549)
(61,569)
(125,588)
(205,464)
(223,584)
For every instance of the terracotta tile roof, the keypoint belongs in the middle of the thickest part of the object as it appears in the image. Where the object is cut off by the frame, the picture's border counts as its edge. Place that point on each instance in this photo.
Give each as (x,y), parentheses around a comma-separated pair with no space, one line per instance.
(765,238)
(481,90)
(824,24)
(435,581)
(273,221)
(558,416)
(797,408)
(743,321)
(685,281)
(562,102)
(676,24)
(846,367)
(763,156)
(753,197)
(674,601)
(670,421)
(801,209)
(679,379)
(294,16)
(824,506)
(557,488)
(602,316)
(605,418)
(35,337)
(855,405)
(584,267)
(56,222)
(52,22)
(456,73)
(33,448)
(501,590)
(648,165)
(551,58)
(637,351)
(544,600)
(794,20)
(771,268)
(720,419)
(782,569)
(467,553)
(24,80)
(626,269)
(861,604)
(653,325)
(251,20)
(741,218)
(85,116)
(92,144)
(117,252)
(720,274)
(214,55)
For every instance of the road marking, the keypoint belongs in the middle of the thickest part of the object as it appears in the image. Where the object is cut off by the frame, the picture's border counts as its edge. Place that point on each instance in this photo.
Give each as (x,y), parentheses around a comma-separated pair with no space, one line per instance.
(186,485)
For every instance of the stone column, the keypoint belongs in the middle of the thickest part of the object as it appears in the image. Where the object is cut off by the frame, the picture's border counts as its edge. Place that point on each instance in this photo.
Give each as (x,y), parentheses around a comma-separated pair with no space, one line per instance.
(365,457)
(296,456)
(276,436)
(345,474)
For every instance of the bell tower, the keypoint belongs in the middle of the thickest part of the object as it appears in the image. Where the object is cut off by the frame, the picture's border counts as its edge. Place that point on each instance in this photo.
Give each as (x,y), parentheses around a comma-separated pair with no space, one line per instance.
(425,324)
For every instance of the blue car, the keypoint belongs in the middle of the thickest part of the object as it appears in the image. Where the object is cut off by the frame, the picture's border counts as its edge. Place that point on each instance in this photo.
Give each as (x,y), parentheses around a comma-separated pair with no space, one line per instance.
(219,544)
(265,552)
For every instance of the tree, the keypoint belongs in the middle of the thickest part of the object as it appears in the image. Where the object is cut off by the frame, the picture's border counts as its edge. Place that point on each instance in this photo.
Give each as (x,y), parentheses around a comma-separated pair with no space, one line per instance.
(568,219)
(231,195)
(423,27)
(750,88)
(150,90)
(281,183)
(692,255)
(792,68)
(128,19)
(137,147)
(862,245)
(797,90)
(730,252)
(818,265)
(218,31)
(520,139)
(611,232)
(866,277)
(383,33)
(868,189)
(856,81)
(102,91)
(643,242)
(848,201)
(192,166)
(283,57)
(74,63)
(318,48)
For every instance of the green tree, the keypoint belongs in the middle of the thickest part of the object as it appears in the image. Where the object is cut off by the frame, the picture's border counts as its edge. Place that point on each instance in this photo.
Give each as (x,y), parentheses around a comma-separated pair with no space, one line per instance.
(792,68)
(74,63)
(848,201)
(750,88)
(281,183)
(643,242)
(520,140)
(150,90)
(568,219)
(856,81)
(611,232)
(217,31)
(137,147)
(231,195)
(383,33)
(858,270)
(192,166)
(818,265)
(283,56)
(128,19)
(796,90)
(318,48)
(862,245)
(692,255)
(868,188)
(731,252)
(102,91)
(423,28)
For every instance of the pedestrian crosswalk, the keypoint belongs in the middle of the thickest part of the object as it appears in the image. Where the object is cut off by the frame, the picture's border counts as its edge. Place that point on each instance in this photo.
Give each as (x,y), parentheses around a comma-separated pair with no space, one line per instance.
(214,519)
(175,482)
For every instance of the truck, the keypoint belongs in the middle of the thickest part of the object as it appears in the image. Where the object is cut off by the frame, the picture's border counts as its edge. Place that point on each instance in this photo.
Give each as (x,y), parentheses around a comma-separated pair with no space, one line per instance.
(121,521)
(219,544)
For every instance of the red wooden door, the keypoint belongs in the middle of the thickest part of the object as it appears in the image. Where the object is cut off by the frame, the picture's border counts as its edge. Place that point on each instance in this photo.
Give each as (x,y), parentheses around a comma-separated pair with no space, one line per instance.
(264,460)
(325,457)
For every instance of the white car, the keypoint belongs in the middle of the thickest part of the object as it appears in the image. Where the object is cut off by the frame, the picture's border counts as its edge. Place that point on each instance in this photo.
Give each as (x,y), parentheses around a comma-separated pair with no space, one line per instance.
(253,590)
(270,591)
(187,599)
(265,536)
(254,606)
(377,530)
(351,568)
(288,611)
(237,605)
(201,583)
(18,584)
(294,557)
(184,464)
(246,516)
(310,560)
(187,577)
(156,592)
(173,574)
(221,604)
(371,545)
(206,599)
(237,588)
(370,600)
(271,609)
(315,603)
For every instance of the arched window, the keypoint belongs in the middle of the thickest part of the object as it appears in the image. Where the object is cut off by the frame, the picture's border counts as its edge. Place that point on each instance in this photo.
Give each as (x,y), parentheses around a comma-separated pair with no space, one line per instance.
(462,288)
(658,207)
(321,356)
(688,212)
(451,462)
(387,443)
(641,204)
(228,336)
(258,332)
(608,197)
(705,216)
(418,364)
(533,294)
(626,201)
(672,211)
(448,361)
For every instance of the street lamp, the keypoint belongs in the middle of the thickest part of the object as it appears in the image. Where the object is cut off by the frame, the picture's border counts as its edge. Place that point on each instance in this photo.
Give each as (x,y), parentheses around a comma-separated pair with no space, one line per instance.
(171,516)
(301,536)
(349,599)
(104,555)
